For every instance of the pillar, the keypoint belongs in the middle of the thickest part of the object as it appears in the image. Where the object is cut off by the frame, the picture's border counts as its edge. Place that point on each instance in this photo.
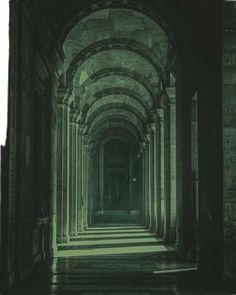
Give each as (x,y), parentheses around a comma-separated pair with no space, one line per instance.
(72,171)
(101,176)
(210,165)
(85,169)
(53,169)
(142,153)
(194,143)
(156,126)
(151,177)
(171,92)
(63,112)
(185,225)
(80,202)
(167,208)
(146,181)
(92,183)
(130,182)
(160,115)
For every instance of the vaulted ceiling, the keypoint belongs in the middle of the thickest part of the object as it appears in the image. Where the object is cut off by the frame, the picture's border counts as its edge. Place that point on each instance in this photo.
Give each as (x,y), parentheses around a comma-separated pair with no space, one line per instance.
(116,63)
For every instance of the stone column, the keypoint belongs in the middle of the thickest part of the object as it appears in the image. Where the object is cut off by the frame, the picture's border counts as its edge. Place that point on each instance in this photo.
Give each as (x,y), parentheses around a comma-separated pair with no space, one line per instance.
(172,99)
(80,206)
(130,181)
(92,183)
(142,212)
(210,165)
(101,176)
(160,115)
(146,181)
(151,177)
(157,171)
(195,200)
(85,162)
(184,180)
(167,175)
(53,169)
(72,171)
(63,112)
(76,175)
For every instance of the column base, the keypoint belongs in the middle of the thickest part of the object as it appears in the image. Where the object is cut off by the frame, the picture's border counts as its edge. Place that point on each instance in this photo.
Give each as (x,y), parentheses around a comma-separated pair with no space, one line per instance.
(158,234)
(152,228)
(185,254)
(63,240)
(172,235)
(79,230)
(72,234)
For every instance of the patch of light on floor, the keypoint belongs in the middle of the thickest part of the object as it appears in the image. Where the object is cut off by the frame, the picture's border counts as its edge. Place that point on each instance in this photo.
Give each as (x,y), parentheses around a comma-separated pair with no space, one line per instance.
(121,235)
(111,230)
(113,251)
(111,227)
(116,241)
(174,270)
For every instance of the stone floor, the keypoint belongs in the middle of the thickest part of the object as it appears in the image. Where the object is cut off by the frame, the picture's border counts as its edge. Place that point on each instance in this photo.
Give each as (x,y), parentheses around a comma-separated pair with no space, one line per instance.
(114,259)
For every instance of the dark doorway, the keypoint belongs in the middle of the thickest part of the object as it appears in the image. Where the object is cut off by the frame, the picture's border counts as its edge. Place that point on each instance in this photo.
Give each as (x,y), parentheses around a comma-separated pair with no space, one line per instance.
(116,175)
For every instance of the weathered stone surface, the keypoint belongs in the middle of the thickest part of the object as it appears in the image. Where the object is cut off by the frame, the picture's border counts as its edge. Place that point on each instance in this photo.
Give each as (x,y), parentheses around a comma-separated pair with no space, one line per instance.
(229,138)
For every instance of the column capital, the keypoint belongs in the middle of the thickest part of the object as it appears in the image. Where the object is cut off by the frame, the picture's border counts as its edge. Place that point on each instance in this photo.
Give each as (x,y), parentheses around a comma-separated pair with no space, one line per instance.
(65,96)
(160,115)
(89,146)
(157,116)
(86,140)
(72,114)
(154,115)
(171,92)
(150,129)
(154,126)
(142,146)
(146,141)
(82,129)
(165,101)
(148,136)
(75,115)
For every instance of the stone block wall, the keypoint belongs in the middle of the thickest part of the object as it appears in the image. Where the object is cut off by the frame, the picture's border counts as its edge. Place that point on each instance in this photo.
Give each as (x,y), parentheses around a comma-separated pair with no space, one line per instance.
(27,189)
(229,135)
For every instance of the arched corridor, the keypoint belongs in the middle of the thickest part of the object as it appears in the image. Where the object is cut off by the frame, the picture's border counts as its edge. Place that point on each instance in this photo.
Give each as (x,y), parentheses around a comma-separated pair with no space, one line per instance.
(116,128)
(118,172)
